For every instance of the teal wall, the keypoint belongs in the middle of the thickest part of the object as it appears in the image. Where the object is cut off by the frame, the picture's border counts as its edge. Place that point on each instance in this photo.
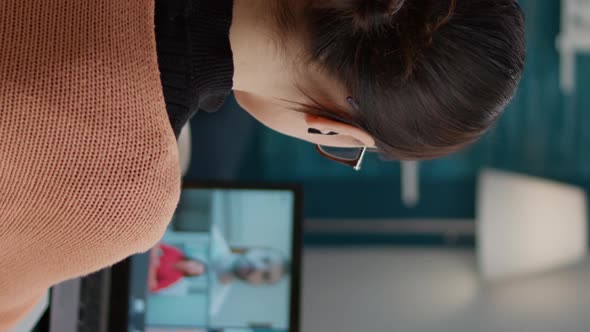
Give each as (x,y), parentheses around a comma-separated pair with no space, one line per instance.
(542,133)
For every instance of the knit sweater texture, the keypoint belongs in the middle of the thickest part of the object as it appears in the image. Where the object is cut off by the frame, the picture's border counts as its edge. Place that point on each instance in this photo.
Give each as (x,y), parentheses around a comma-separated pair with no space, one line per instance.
(89,168)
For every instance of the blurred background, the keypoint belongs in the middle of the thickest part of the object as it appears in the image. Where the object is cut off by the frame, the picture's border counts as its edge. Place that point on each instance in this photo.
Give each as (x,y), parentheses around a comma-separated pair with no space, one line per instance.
(439,245)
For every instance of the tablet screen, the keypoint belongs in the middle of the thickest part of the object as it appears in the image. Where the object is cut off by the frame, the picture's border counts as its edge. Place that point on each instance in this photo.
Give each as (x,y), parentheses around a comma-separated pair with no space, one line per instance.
(224,263)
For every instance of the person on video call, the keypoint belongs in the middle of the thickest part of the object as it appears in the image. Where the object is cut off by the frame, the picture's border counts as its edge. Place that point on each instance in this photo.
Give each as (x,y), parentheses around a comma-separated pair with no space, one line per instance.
(255,266)
(93,95)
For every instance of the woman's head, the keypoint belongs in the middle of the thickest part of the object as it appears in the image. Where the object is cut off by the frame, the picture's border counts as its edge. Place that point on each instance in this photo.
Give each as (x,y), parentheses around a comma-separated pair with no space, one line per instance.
(428,76)
(261,266)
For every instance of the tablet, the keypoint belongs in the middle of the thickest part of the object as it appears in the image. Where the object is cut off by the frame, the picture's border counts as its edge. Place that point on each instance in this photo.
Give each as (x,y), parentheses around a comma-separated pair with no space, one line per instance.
(229,261)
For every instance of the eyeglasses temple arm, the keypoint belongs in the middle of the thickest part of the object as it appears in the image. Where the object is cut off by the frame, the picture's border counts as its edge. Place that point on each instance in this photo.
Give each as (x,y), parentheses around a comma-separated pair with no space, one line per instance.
(359,162)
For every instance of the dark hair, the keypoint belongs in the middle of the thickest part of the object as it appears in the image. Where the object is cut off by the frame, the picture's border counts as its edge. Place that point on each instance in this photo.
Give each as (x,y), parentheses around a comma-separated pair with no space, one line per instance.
(429,76)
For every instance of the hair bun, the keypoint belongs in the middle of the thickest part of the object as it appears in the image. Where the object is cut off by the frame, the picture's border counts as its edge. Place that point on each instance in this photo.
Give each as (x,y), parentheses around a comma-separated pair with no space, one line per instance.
(371,13)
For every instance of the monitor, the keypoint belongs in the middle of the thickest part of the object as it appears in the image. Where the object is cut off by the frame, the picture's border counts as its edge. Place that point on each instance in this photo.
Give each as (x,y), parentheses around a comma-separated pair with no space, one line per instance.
(229,261)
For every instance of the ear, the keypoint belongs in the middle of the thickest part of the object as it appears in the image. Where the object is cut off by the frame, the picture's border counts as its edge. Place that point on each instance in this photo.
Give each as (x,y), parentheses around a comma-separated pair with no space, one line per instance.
(326,126)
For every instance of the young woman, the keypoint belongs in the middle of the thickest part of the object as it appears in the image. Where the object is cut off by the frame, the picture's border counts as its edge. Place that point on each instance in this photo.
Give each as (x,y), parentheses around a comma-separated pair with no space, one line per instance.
(92,98)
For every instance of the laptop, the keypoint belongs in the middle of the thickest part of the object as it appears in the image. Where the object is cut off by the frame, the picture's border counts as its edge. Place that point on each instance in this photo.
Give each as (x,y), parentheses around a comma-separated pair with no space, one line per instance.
(229,261)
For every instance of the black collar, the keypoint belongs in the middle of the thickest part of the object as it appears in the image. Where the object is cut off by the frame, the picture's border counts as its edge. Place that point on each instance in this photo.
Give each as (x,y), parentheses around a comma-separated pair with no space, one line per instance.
(194,56)
(211,58)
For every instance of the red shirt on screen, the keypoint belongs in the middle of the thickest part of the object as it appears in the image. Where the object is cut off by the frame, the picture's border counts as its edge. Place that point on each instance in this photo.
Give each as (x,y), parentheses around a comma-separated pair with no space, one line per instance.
(166,273)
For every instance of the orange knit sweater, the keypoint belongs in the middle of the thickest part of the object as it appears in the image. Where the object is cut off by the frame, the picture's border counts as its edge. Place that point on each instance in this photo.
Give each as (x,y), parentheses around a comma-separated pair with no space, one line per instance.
(88,162)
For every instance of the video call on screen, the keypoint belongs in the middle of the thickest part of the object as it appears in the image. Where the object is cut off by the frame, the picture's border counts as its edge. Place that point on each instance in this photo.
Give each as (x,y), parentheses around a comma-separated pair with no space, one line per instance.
(223,263)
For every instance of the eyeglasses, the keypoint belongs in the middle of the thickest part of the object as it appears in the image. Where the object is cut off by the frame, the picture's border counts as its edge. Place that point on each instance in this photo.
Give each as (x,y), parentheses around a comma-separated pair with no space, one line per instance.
(352,157)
